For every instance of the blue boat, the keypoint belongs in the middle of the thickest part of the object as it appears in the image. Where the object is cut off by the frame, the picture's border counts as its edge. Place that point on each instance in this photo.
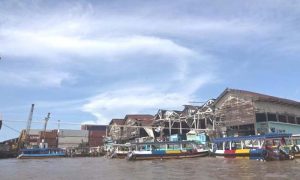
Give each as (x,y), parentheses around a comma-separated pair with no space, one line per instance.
(167,150)
(267,147)
(38,153)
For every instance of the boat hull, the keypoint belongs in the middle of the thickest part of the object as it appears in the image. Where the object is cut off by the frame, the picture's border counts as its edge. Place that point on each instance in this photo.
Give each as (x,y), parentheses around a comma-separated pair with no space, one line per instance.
(151,156)
(39,156)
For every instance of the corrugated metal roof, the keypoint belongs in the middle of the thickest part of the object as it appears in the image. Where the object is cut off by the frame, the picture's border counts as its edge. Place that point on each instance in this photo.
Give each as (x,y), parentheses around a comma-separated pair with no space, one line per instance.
(117,121)
(142,118)
(258,97)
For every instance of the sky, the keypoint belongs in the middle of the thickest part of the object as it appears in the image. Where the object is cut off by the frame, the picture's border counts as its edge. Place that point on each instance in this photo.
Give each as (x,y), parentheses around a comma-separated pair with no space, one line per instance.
(91,61)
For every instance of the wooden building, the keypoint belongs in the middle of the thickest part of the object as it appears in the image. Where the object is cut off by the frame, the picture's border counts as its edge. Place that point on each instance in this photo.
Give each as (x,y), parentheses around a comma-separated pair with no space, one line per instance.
(242,112)
(115,129)
(135,120)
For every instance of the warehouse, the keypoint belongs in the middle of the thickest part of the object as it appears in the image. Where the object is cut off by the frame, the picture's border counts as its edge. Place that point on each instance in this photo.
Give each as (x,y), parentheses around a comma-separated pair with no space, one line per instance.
(240,112)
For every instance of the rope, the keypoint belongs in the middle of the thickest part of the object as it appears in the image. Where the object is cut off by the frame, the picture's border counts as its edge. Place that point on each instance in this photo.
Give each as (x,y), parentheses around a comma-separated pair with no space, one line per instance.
(11,128)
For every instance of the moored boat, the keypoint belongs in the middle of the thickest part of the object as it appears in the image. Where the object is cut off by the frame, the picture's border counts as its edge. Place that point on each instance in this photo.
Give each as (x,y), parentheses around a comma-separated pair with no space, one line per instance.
(41,153)
(266,147)
(119,151)
(167,150)
(295,148)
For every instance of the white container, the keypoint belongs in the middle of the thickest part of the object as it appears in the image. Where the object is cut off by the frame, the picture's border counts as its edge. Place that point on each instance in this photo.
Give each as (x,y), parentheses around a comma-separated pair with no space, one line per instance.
(73,133)
(71,140)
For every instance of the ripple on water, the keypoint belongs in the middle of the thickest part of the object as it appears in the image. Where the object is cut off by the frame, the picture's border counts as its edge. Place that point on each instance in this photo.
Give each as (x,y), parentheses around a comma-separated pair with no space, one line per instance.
(118,169)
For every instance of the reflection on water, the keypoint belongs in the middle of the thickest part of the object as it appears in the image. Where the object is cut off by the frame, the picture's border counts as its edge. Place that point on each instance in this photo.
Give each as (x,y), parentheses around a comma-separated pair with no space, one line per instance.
(102,168)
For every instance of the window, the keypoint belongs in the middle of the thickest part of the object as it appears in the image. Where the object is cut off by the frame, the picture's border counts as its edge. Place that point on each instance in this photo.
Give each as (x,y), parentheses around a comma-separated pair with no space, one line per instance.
(298,120)
(272,117)
(261,117)
(282,118)
(291,119)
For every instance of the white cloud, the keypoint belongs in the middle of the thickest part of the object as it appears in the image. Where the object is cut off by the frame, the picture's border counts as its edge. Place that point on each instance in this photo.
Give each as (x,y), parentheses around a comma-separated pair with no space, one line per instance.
(34,78)
(41,44)
(143,99)
(136,100)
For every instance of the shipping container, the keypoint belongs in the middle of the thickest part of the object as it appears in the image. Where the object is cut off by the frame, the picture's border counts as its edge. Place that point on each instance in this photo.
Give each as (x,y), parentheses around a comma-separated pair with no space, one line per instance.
(73,133)
(96,134)
(72,139)
(94,142)
(94,127)
(34,138)
(34,132)
(46,135)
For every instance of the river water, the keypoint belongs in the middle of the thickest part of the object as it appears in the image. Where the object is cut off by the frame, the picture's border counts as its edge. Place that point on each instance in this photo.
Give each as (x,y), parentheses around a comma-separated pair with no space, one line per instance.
(101,168)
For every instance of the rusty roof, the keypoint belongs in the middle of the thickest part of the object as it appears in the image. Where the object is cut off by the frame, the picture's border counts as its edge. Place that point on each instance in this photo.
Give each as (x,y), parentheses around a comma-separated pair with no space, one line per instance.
(259,97)
(143,118)
(117,121)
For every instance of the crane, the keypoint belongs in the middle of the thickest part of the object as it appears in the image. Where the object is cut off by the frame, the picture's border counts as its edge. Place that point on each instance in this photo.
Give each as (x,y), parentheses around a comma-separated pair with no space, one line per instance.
(45,125)
(29,120)
(46,121)
(29,125)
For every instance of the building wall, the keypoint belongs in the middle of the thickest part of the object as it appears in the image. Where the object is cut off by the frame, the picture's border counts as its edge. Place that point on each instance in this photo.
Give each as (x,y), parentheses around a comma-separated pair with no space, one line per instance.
(130,132)
(115,132)
(277,127)
(242,112)
(277,108)
(235,109)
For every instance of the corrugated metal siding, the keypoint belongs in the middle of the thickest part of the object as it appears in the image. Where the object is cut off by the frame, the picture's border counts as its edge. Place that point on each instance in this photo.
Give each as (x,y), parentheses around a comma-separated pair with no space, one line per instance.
(34,131)
(95,134)
(94,142)
(48,135)
(73,133)
(72,140)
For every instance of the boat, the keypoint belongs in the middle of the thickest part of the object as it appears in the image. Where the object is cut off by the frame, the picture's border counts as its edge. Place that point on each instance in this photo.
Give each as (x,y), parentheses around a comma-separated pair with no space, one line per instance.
(167,150)
(41,153)
(295,148)
(119,151)
(265,147)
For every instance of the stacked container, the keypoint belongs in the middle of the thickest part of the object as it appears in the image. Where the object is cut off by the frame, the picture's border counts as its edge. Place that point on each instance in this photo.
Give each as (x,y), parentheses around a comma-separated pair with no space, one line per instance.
(72,138)
(34,137)
(96,138)
(49,137)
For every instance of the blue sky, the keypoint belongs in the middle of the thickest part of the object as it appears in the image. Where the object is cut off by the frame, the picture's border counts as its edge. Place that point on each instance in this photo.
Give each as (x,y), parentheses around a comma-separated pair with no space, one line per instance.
(91,61)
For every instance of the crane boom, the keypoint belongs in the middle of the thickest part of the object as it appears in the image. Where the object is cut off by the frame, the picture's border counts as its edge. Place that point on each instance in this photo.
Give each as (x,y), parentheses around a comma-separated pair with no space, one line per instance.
(46,121)
(29,120)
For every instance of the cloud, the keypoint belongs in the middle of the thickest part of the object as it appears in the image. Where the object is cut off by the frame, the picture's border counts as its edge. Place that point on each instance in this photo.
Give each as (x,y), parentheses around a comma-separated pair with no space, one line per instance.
(35,78)
(131,100)
(143,99)
(40,44)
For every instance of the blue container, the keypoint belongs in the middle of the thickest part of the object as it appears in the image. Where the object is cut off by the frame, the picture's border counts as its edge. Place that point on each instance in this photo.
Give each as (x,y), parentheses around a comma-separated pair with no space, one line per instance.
(158,152)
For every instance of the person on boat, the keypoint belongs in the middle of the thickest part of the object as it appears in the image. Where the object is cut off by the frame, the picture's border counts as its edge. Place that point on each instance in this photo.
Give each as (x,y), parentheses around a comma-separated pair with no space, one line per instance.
(282,141)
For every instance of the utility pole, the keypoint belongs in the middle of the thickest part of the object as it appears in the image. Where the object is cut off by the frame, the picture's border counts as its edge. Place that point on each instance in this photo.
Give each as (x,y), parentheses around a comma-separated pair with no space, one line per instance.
(58,125)
(0,121)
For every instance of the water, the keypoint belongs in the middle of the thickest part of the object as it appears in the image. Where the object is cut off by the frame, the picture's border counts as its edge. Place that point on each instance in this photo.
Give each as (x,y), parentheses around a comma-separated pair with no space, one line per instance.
(118,169)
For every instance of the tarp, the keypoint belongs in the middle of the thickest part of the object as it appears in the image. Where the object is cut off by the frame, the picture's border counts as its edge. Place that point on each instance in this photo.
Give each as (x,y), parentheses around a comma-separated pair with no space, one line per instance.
(149,132)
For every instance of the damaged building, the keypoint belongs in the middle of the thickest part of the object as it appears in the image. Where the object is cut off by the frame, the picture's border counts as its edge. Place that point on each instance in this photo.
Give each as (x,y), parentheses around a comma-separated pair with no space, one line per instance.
(240,112)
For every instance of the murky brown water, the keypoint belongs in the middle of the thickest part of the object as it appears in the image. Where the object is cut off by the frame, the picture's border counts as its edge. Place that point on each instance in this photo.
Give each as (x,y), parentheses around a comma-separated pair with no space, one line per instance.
(116,169)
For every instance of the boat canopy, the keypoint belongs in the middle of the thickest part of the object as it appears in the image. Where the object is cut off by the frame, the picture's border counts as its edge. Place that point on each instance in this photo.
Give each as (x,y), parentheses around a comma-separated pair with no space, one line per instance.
(165,142)
(254,137)
(41,149)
